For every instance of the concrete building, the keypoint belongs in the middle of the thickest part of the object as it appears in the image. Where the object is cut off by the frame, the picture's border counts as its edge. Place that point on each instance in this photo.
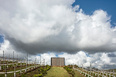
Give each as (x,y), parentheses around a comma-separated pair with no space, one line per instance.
(58,61)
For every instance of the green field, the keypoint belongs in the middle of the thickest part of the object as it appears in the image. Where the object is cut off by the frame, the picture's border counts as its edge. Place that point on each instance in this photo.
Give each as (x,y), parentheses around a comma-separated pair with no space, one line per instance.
(57,72)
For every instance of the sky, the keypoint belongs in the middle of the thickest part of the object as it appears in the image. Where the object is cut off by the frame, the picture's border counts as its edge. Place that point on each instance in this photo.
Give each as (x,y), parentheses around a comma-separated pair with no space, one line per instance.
(89,6)
(1,39)
(83,32)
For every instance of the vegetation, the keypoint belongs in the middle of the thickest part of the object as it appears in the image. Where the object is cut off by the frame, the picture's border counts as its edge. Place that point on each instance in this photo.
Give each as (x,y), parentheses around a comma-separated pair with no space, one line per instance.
(42,71)
(30,73)
(69,70)
(77,74)
(11,67)
(100,73)
(57,72)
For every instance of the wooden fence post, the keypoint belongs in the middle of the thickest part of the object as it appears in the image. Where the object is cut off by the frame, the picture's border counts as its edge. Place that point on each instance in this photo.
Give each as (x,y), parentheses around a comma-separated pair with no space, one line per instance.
(14,74)
(5,74)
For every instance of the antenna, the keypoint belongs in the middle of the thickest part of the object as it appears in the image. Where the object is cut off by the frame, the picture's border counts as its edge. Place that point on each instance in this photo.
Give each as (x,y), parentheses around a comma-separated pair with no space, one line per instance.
(40,60)
(3,59)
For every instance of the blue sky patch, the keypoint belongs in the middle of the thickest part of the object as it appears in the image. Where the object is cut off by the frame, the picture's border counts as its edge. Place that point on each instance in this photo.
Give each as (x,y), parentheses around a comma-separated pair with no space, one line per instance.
(1,39)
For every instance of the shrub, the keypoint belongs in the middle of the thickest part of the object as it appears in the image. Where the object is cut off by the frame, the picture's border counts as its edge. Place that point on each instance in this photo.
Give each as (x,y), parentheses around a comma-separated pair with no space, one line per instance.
(38,75)
(48,67)
(69,70)
(43,70)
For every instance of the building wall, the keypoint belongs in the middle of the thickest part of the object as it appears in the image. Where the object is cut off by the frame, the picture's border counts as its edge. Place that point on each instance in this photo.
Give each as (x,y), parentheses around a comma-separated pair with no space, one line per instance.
(57,61)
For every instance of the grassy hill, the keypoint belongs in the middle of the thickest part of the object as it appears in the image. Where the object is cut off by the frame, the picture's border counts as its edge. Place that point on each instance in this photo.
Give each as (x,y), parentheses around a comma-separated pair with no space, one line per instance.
(57,72)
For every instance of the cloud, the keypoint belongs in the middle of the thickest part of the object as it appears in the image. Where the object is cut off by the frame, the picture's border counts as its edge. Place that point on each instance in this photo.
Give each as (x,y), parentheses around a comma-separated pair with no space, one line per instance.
(81,58)
(8,51)
(54,25)
(98,60)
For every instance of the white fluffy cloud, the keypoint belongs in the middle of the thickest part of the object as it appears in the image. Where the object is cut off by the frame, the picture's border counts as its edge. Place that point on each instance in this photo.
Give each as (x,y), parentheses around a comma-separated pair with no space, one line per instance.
(98,60)
(81,58)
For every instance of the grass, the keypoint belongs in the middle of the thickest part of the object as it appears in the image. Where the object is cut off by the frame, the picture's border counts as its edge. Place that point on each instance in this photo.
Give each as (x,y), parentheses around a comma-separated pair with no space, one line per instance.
(77,74)
(57,72)
(8,75)
(29,74)
(16,68)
